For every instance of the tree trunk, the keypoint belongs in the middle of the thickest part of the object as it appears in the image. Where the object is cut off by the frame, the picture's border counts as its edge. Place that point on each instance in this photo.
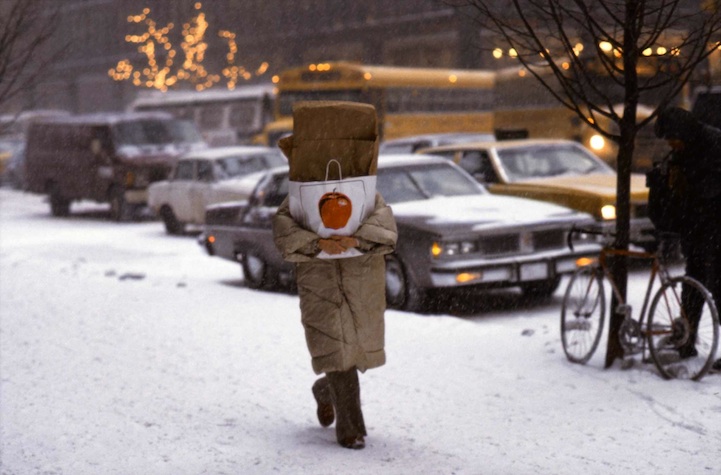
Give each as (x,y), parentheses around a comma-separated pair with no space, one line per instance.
(619,267)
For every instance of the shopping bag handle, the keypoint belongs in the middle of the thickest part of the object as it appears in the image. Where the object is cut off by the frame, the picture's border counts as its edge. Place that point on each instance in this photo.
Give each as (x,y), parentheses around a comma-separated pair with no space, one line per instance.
(327,167)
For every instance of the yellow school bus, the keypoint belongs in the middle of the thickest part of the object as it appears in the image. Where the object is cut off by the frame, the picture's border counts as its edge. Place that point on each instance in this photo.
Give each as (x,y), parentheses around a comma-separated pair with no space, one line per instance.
(523,104)
(408,101)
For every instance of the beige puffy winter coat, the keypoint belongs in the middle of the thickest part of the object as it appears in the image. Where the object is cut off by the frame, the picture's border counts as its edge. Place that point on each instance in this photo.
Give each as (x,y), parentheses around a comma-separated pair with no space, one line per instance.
(342,301)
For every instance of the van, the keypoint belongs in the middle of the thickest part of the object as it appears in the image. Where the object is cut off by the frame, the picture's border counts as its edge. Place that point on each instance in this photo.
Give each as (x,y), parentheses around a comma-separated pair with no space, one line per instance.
(109,158)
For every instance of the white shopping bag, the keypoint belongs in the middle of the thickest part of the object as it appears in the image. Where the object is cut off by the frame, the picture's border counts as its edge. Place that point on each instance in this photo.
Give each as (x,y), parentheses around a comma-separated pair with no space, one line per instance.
(333,207)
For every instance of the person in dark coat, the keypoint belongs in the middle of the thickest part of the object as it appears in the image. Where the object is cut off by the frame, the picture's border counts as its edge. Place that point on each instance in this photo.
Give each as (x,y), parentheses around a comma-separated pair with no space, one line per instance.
(696,151)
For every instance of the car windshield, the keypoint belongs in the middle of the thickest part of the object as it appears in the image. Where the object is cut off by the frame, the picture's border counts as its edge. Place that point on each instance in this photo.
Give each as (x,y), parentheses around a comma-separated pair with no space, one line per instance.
(156,132)
(420,182)
(523,163)
(241,165)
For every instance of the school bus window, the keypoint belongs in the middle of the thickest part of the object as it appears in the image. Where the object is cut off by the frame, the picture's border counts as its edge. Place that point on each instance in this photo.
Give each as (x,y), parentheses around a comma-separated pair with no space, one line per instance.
(242,115)
(211,116)
(437,100)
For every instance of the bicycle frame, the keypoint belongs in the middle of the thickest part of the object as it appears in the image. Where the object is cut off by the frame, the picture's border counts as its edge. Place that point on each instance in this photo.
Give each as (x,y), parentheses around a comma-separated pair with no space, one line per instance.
(656,270)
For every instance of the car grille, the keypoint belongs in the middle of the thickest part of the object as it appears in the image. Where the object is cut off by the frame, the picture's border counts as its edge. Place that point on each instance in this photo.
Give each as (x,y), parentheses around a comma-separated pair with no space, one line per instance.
(550,239)
(509,244)
(500,245)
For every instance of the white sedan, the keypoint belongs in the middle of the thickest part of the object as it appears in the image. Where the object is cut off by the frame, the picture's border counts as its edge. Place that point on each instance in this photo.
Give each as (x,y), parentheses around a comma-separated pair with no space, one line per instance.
(206,177)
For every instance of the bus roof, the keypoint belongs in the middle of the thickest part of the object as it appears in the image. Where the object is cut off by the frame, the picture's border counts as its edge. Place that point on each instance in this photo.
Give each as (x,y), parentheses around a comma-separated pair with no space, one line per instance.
(324,74)
(159,98)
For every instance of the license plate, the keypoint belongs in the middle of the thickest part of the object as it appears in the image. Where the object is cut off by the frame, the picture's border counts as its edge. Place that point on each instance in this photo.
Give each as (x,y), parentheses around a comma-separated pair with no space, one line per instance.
(536,271)
(565,265)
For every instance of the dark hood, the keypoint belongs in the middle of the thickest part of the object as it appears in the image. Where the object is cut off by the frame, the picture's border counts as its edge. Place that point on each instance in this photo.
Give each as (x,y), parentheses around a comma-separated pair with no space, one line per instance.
(677,123)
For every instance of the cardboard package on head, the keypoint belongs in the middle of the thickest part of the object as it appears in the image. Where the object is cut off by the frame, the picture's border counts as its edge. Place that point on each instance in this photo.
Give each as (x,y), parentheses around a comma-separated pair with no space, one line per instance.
(333,159)
(331,130)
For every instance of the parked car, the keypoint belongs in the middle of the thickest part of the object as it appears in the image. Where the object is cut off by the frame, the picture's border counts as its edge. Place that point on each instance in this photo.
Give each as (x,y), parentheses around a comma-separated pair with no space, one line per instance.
(452,234)
(208,176)
(416,142)
(557,171)
(110,158)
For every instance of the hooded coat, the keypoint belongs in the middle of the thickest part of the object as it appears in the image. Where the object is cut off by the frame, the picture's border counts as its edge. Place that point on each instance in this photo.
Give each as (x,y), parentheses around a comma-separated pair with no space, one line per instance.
(342,301)
(699,162)
(698,186)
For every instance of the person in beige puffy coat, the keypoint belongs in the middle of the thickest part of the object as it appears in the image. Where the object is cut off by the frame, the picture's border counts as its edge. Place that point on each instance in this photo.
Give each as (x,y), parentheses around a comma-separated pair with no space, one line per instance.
(342,304)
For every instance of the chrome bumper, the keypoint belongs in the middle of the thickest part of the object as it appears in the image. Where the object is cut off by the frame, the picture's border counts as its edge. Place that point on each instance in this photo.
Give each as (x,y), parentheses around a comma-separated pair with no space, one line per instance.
(512,270)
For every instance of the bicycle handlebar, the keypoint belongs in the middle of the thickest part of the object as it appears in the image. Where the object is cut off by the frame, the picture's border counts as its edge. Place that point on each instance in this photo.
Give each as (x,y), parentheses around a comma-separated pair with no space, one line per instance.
(659,235)
(575,230)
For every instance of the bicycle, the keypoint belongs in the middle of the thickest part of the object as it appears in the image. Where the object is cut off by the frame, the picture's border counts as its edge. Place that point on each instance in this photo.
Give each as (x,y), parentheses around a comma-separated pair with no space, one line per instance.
(667,331)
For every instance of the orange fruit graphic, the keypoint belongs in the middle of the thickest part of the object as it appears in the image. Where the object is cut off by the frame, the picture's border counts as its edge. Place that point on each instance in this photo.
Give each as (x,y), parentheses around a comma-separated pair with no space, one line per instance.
(335,209)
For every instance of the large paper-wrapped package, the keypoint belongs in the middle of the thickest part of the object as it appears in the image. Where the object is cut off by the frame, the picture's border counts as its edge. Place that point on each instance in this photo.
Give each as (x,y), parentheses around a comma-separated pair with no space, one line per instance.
(333,158)
(326,130)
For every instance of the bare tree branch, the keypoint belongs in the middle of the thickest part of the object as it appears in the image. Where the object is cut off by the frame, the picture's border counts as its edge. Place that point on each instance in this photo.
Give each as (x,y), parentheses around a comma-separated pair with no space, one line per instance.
(26,26)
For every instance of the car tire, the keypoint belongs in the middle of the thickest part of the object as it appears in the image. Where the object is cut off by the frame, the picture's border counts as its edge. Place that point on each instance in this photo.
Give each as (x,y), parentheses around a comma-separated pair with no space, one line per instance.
(256,272)
(401,292)
(540,289)
(59,205)
(173,226)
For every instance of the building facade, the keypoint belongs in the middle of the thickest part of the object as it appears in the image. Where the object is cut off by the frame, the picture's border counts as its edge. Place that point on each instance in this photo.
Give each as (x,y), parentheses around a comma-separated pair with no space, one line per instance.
(268,36)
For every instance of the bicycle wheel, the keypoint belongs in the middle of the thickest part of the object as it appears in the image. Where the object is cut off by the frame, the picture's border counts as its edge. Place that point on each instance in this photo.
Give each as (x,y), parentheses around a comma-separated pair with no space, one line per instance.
(582,313)
(681,346)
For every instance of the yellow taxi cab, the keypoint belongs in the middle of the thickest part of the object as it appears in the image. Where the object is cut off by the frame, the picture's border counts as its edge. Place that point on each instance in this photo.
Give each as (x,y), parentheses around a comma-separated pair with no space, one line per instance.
(558,171)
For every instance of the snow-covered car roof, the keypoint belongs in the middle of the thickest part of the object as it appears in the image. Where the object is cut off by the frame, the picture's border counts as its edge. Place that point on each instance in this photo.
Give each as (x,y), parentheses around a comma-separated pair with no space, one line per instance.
(216,153)
(106,118)
(407,159)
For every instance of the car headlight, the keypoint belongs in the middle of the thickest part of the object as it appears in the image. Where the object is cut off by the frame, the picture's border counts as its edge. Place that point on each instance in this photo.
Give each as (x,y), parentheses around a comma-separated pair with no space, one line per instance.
(454,248)
(597,142)
(608,212)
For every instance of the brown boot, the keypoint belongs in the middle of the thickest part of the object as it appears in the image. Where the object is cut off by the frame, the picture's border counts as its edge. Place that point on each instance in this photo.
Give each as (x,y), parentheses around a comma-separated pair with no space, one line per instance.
(353,443)
(345,393)
(321,393)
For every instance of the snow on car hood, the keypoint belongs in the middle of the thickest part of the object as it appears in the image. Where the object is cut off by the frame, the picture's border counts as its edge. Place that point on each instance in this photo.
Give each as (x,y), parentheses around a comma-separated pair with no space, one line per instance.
(599,184)
(480,212)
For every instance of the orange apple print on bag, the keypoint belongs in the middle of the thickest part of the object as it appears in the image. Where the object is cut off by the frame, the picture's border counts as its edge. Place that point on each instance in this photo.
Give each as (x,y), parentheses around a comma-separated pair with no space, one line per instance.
(335,209)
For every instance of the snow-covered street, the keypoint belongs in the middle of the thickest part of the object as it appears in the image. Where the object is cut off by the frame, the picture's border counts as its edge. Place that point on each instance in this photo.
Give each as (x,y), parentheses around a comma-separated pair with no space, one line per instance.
(127,351)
